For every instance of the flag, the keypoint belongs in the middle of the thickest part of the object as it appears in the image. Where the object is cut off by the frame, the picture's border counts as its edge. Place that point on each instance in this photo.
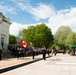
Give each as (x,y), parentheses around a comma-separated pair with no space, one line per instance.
(23,43)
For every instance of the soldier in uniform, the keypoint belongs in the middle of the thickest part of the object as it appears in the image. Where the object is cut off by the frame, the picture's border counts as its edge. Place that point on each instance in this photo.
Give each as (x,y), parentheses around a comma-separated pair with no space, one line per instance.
(44,53)
(0,54)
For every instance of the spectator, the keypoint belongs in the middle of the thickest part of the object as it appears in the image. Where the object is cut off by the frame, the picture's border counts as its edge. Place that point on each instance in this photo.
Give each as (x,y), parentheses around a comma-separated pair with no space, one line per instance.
(52,52)
(0,54)
(18,52)
(55,51)
(48,51)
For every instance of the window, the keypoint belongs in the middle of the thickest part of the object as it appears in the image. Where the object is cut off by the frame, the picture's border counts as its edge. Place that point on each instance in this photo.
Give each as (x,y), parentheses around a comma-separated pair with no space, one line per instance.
(2,41)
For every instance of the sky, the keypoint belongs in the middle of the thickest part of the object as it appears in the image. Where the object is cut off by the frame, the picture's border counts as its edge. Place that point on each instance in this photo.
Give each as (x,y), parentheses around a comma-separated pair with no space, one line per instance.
(54,13)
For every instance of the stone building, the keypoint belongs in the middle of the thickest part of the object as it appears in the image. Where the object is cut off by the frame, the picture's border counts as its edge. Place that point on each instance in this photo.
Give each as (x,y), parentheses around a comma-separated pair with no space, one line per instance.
(4,31)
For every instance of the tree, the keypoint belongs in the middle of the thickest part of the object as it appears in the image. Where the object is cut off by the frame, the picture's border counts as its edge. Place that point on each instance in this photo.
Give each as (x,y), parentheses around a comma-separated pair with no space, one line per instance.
(28,35)
(43,35)
(71,39)
(38,36)
(12,39)
(61,35)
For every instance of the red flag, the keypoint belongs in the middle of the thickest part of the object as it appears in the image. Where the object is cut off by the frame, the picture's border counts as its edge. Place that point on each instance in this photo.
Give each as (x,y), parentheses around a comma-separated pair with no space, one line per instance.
(23,43)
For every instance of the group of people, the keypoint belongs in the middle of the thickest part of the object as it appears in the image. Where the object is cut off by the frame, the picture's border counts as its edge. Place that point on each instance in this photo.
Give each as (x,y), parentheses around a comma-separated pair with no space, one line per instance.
(20,52)
(44,52)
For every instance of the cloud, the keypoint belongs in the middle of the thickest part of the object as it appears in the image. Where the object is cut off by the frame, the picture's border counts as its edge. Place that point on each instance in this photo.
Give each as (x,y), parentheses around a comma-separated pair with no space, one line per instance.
(66,17)
(41,11)
(56,18)
(7,9)
(16,27)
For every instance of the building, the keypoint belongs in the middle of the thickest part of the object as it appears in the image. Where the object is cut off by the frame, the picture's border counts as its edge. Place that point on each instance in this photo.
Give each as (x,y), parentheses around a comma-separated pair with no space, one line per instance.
(4,31)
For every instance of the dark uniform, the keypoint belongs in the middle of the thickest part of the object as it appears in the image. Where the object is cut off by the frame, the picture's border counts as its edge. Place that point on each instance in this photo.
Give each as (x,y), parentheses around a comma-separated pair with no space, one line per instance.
(48,51)
(64,50)
(33,54)
(44,54)
(0,54)
(55,51)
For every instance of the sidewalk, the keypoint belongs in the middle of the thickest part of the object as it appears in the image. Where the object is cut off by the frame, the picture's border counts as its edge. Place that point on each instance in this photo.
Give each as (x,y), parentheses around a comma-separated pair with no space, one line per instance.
(14,61)
(55,65)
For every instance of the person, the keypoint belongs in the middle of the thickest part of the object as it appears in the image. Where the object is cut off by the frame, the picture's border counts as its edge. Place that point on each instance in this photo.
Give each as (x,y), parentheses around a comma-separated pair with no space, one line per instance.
(0,54)
(52,51)
(18,52)
(2,44)
(55,51)
(22,52)
(33,54)
(64,50)
(48,51)
(44,53)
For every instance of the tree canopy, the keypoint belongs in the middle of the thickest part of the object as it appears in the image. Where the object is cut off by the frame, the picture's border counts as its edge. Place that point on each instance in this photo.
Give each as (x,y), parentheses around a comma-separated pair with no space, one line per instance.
(61,35)
(38,36)
(12,39)
(71,39)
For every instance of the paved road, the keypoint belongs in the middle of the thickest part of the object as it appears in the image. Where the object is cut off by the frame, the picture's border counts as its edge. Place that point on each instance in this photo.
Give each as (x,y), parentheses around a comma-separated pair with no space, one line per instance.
(55,65)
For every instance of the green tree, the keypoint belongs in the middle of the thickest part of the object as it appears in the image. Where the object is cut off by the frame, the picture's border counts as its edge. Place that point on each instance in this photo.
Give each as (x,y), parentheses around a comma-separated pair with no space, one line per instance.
(61,35)
(71,39)
(28,35)
(12,39)
(43,35)
(38,36)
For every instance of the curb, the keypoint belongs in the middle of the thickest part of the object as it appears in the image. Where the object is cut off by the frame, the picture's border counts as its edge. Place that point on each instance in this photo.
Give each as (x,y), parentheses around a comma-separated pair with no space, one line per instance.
(17,66)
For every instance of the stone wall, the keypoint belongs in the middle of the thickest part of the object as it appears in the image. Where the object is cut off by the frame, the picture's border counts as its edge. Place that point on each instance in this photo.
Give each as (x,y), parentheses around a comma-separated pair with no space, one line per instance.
(4,31)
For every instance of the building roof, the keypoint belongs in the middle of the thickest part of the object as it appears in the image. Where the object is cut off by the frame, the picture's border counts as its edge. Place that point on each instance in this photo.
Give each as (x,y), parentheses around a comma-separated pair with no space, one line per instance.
(4,18)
